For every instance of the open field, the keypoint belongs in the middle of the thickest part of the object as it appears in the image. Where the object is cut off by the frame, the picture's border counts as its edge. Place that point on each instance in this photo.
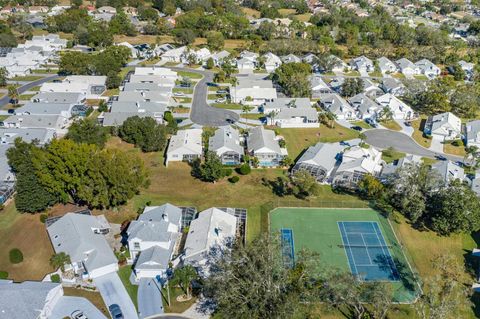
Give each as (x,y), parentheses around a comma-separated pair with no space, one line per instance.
(298,139)
(316,229)
(390,155)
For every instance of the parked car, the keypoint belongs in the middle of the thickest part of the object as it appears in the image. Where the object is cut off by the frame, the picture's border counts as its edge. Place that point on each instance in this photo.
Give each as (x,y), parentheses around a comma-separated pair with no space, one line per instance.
(371,122)
(11,111)
(440,157)
(221,92)
(221,100)
(407,123)
(115,311)
(78,314)
(178,94)
(357,128)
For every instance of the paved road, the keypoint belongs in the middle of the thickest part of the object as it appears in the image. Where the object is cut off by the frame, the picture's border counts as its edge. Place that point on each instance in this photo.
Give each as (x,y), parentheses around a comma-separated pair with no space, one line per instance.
(385,138)
(202,113)
(24,88)
(149,298)
(113,292)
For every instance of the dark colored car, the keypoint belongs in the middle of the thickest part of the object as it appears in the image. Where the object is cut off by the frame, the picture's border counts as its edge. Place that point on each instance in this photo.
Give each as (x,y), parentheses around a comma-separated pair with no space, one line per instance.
(408,123)
(115,311)
(440,157)
(11,111)
(357,128)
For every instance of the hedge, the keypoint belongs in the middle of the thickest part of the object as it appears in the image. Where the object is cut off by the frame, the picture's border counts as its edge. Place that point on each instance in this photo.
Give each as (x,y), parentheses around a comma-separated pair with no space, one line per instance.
(55,278)
(3,275)
(16,256)
(234,179)
(245,169)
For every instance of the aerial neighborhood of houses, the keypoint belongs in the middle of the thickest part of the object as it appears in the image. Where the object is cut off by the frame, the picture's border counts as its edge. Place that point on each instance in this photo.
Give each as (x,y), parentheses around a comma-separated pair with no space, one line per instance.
(310,123)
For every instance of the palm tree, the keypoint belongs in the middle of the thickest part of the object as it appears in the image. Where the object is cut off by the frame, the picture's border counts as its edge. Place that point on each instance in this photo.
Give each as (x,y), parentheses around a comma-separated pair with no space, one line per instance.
(331,117)
(59,260)
(184,277)
(272,115)
(246,108)
(472,153)
(386,114)
(13,93)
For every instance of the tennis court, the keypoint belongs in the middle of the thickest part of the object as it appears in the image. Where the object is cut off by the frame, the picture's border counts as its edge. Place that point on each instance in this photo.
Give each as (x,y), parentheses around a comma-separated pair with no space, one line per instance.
(375,255)
(367,252)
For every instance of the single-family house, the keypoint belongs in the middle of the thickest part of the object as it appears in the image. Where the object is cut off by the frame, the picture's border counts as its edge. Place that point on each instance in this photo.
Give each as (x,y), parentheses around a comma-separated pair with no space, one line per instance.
(475,184)
(152,239)
(291,58)
(449,171)
(472,133)
(156,71)
(272,62)
(252,90)
(365,107)
(174,55)
(65,110)
(407,67)
(392,86)
(264,145)
(386,66)
(281,103)
(320,160)
(41,135)
(337,105)
(356,163)
(339,66)
(82,237)
(186,145)
(247,62)
(362,64)
(444,126)
(427,68)
(389,170)
(160,49)
(226,144)
(468,68)
(55,122)
(296,117)
(90,86)
(400,110)
(115,119)
(318,86)
(210,234)
(200,56)
(54,97)
(220,57)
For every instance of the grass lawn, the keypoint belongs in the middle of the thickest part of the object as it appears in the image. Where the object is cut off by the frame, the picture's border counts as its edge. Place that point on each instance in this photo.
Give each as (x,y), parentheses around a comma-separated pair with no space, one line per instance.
(303,17)
(230,106)
(251,12)
(26,96)
(176,306)
(286,12)
(27,78)
(183,99)
(392,125)
(390,155)
(3,117)
(215,96)
(183,90)
(190,75)
(124,71)
(362,124)
(45,71)
(418,126)
(253,116)
(449,148)
(376,74)
(35,89)
(124,274)
(429,161)
(94,297)
(298,139)
(352,73)
(217,88)
(111,92)
(398,75)
(181,110)
(27,233)
(421,77)
(317,230)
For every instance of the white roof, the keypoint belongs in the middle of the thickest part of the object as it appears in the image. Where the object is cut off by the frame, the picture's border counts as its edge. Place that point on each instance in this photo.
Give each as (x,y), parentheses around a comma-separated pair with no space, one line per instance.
(443,122)
(187,142)
(155,70)
(359,159)
(261,140)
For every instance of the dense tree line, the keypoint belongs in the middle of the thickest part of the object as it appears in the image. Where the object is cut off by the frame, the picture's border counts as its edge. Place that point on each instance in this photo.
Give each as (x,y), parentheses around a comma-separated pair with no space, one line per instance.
(64,171)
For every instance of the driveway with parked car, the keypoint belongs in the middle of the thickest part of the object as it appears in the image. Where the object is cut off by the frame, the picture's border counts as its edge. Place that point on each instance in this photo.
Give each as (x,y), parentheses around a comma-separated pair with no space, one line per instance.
(76,308)
(114,293)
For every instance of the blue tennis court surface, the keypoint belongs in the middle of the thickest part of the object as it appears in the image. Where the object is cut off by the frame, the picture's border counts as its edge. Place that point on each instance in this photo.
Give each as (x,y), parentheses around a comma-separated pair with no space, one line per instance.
(367,252)
(288,251)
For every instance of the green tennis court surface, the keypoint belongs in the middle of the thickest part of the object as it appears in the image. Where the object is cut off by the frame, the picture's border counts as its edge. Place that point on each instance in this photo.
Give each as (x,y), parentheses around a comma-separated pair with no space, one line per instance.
(317,229)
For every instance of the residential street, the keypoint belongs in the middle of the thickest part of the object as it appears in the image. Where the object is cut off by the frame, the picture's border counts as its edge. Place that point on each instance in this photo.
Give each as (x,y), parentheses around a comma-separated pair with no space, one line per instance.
(4,100)
(385,138)
(113,292)
(202,113)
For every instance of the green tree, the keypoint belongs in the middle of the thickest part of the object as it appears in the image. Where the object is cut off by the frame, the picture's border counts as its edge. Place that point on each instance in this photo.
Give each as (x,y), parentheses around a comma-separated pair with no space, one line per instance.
(211,170)
(455,209)
(251,281)
(458,72)
(183,277)
(13,93)
(351,87)
(370,187)
(294,78)
(304,184)
(144,133)
(88,131)
(210,64)
(3,76)
(184,36)
(113,80)
(215,40)
(120,24)
(60,260)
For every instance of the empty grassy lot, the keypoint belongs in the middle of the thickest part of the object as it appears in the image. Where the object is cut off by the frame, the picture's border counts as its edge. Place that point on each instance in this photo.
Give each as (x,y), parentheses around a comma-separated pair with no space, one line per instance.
(298,139)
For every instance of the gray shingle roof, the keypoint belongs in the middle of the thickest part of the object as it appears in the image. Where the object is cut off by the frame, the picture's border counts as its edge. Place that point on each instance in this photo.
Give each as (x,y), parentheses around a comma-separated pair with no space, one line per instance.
(154,257)
(322,154)
(152,225)
(259,138)
(286,102)
(62,97)
(225,137)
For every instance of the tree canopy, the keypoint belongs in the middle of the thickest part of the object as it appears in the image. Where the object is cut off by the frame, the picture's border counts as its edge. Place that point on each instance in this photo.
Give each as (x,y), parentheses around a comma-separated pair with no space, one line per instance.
(145,133)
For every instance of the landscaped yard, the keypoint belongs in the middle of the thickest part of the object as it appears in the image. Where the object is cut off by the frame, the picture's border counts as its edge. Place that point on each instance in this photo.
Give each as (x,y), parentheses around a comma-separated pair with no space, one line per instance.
(391,125)
(124,274)
(175,306)
(298,139)
(94,297)
(26,96)
(111,92)
(362,124)
(390,155)
(45,71)
(418,126)
(449,148)
(183,90)
(27,233)
(231,106)
(26,78)
(191,75)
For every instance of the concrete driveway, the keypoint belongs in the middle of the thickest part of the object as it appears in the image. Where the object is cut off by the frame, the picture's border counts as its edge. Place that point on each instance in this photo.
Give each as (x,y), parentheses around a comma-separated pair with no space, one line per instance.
(24,88)
(113,292)
(383,139)
(149,298)
(66,305)
(202,113)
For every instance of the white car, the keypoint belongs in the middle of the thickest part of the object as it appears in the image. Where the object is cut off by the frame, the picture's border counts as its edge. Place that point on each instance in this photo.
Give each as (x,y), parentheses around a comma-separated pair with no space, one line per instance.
(77,314)
(179,94)
(221,100)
